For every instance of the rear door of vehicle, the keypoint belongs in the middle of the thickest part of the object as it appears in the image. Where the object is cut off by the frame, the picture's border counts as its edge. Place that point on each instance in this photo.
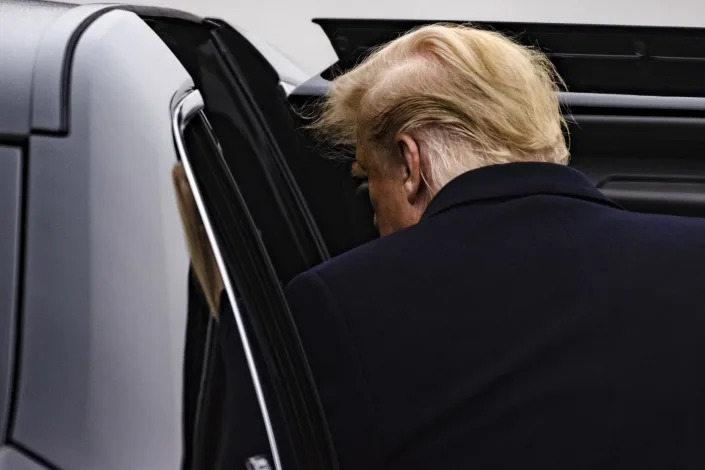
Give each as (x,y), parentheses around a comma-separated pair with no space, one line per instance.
(232,136)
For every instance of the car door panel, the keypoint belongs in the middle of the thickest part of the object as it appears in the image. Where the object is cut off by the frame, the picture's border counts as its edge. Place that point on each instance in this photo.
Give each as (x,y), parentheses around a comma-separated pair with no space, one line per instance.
(295,424)
(647,158)
(250,145)
(640,60)
(12,459)
(104,304)
(10,222)
(277,238)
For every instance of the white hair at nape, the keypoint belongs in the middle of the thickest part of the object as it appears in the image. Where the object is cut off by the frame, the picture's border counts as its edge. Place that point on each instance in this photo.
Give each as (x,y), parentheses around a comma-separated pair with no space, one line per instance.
(443,157)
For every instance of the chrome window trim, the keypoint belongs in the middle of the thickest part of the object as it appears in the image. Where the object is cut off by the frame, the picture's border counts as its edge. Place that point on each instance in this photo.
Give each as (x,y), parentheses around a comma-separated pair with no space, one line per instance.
(189,103)
(610,100)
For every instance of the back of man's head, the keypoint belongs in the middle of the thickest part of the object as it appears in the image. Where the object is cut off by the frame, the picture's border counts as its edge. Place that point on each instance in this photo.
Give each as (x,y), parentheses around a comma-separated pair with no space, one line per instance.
(469,97)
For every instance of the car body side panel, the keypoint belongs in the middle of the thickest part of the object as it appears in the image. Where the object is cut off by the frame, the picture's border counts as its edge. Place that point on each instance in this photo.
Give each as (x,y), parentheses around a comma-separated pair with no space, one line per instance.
(11,459)
(106,266)
(10,188)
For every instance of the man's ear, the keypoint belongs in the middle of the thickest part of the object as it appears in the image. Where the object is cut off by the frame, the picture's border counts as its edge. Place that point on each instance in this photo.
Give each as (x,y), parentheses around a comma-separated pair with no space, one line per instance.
(411,161)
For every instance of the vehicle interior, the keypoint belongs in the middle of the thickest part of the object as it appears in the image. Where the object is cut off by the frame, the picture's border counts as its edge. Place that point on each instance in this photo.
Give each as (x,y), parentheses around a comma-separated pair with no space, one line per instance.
(277,201)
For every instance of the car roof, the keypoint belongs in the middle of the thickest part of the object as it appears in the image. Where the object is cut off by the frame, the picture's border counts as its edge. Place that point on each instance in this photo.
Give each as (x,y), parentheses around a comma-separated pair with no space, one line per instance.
(25,46)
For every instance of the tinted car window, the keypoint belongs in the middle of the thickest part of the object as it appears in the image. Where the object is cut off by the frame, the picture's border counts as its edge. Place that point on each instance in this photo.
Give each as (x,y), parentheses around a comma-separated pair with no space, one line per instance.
(268,336)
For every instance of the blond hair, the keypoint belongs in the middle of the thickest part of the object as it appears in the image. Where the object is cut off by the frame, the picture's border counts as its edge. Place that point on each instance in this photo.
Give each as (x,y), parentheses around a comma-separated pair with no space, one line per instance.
(470,97)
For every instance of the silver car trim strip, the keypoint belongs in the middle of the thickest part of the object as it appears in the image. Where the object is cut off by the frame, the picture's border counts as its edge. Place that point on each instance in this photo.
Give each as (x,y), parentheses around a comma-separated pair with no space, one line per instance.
(606,100)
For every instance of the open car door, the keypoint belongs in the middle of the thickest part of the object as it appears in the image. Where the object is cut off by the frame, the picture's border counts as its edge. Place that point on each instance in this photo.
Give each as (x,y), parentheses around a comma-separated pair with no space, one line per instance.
(230,131)
(291,412)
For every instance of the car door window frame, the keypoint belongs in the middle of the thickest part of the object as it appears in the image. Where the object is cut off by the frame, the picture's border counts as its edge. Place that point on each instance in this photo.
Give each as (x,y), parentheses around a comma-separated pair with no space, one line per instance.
(187,107)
